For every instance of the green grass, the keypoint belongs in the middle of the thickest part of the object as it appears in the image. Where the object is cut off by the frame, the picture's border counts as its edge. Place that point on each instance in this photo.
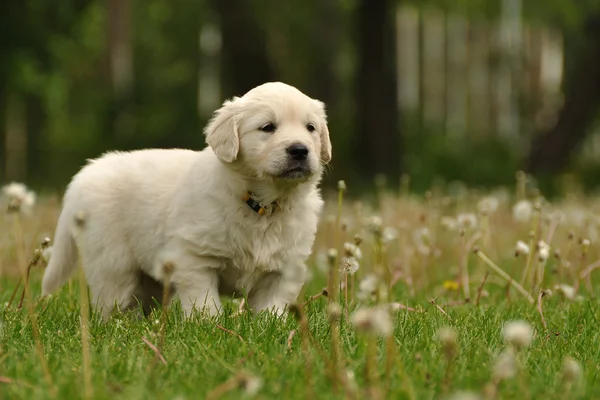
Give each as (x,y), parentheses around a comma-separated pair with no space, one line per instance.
(413,243)
(200,356)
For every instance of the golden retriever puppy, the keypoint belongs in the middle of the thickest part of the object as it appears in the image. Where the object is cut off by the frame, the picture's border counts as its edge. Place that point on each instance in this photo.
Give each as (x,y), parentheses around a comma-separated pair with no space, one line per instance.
(240,216)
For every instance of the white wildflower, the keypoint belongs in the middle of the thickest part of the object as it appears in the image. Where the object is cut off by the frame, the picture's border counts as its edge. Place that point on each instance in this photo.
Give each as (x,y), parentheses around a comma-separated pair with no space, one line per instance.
(374,223)
(466,220)
(521,248)
(571,369)
(543,251)
(334,311)
(368,287)
(376,320)
(389,234)
(567,291)
(46,254)
(332,255)
(449,339)
(352,250)
(19,197)
(422,239)
(505,366)
(448,223)
(349,266)
(342,185)
(522,211)
(518,333)
(251,384)
(488,205)
(464,395)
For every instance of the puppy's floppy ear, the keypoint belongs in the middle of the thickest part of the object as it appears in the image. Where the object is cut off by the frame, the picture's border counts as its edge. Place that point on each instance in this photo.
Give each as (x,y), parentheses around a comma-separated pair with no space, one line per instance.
(222,133)
(325,141)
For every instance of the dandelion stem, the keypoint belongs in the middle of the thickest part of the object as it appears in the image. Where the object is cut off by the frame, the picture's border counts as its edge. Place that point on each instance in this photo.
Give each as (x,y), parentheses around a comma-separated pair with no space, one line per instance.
(18,236)
(539,307)
(480,288)
(85,335)
(504,275)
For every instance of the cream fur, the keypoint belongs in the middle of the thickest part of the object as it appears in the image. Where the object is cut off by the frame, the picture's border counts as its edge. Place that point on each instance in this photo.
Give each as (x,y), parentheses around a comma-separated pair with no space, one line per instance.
(144,208)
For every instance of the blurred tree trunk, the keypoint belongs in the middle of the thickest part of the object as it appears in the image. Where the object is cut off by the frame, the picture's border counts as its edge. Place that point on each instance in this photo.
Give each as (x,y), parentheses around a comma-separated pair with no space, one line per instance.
(550,151)
(15,139)
(120,63)
(244,59)
(378,148)
(119,46)
(326,38)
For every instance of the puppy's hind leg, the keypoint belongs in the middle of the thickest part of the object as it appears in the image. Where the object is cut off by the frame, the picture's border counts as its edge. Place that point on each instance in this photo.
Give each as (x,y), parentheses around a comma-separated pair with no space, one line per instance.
(110,290)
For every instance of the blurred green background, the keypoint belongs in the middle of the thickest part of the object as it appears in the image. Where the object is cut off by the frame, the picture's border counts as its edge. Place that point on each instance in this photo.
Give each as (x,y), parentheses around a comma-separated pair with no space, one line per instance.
(442,90)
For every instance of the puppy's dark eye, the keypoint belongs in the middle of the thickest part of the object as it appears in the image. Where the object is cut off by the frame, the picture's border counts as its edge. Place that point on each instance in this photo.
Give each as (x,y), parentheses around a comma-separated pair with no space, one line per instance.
(310,127)
(269,128)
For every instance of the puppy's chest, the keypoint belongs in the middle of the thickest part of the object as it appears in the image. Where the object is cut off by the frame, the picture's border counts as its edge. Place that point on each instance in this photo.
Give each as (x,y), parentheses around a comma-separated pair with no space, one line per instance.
(267,243)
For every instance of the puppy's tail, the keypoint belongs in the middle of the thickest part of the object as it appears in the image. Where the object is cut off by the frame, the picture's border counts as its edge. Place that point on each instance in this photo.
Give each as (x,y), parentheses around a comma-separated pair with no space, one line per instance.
(63,258)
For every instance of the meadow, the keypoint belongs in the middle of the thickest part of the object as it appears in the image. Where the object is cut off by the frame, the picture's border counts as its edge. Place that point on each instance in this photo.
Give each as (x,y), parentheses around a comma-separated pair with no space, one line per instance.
(455,294)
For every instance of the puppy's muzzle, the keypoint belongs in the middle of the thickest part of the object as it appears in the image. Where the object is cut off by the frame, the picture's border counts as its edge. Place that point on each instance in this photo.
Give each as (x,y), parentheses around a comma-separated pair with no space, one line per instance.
(297,165)
(298,151)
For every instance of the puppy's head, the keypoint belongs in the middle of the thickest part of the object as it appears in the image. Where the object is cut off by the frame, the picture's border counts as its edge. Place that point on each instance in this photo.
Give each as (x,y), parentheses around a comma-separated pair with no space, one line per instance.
(274,131)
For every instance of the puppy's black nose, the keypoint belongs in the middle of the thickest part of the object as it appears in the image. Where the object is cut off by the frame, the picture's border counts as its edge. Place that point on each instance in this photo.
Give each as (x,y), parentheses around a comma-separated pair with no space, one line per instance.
(298,151)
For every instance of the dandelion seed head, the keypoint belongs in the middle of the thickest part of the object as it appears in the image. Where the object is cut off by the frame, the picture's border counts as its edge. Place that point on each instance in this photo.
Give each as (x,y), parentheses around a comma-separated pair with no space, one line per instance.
(334,311)
(505,366)
(449,223)
(449,340)
(349,266)
(389,234)
(488,205)
(521,248)
(332,256)
(518,333)
(46,254)
(373,320)
(250,384)
(18,197)
(375,224)
(465,395)
(352,250)
(571,369)
(467,221)
(543,251)
(367,287)
(568,292)
(522,211)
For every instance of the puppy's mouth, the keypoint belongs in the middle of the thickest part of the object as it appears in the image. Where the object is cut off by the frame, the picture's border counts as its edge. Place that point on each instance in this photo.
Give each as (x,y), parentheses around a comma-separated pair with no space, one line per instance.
(293,172)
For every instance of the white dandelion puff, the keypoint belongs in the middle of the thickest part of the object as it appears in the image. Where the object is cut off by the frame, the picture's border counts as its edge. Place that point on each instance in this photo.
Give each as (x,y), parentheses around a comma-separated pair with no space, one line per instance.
(352,250)
(521,248)
(522,211)
(571,369)
(543,251)
(466,221)
(19,197)
(375,320)
(488,205)
(518,333)
(389,234)
(449,223)
(367,287)
(568,292)
(505,366)
(349,266)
